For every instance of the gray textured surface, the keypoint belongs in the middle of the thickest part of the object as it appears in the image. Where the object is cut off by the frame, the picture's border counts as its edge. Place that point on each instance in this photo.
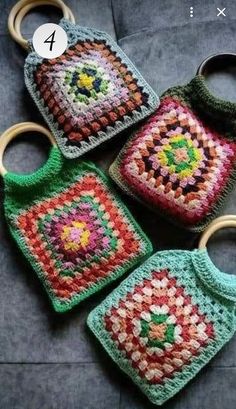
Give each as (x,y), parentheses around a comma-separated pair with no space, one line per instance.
(50,361)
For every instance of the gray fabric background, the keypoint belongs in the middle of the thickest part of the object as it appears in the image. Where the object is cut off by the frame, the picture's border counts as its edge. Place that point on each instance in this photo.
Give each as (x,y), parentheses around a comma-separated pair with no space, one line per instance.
(50,361)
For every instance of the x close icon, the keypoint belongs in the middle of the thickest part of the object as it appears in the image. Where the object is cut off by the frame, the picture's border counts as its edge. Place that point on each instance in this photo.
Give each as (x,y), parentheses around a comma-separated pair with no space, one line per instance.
(221,12)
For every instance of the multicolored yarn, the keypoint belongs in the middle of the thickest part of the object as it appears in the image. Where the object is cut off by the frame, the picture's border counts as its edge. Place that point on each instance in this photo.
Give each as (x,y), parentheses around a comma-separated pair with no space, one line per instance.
(90,93)
(182,161)
(167,320)
(71,226)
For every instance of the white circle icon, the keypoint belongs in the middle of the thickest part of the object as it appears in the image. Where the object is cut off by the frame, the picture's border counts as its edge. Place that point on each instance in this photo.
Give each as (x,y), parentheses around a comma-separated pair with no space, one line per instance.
(50,40)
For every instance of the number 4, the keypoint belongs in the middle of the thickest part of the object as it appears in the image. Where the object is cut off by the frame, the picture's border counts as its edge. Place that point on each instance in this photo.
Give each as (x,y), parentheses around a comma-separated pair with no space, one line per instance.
(50,40)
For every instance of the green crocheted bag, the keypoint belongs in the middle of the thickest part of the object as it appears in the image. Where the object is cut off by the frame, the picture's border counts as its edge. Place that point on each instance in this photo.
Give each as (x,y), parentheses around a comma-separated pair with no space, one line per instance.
(71,226)
(167,320)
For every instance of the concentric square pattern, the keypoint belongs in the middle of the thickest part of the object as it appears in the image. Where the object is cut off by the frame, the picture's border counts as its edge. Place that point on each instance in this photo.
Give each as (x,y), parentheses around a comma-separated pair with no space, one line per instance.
(80,239)
(91,94)
(177,164)
(157,328)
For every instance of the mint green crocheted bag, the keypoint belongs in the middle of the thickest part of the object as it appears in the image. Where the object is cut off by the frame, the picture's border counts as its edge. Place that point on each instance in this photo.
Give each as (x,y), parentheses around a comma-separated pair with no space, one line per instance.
(167,320)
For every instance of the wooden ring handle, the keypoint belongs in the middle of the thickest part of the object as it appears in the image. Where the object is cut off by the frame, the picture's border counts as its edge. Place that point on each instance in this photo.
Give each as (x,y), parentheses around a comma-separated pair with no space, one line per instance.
(215,61)
(23,7)
(218,224)
(20,16)
(223,218)
(22,13)
(16,130)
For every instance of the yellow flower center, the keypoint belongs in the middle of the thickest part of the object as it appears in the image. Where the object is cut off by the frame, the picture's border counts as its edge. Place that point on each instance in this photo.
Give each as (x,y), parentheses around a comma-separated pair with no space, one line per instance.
(85,81)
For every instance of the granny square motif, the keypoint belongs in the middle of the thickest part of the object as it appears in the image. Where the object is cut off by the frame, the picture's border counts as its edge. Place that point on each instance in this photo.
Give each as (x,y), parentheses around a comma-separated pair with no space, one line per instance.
(164,323)
(77,234)
(178,165)
(90,93)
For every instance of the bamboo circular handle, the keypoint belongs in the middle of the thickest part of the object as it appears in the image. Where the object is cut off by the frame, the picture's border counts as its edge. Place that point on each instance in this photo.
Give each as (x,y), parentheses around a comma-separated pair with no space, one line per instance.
(14,131)
(23,7)
(22,13)
(223,218)
(20,16)
(218,224)
(214,61)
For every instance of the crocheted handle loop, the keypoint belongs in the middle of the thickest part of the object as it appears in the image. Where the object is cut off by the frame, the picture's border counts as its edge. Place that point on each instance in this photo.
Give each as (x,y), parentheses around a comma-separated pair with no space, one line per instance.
(216,61)
(21,8)
(218,224)
(14,131)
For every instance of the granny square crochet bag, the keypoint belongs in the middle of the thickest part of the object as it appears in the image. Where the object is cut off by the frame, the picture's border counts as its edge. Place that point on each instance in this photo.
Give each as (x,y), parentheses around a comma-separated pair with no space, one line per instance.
(88,94)
(70,225)
(168,319)
(181,162)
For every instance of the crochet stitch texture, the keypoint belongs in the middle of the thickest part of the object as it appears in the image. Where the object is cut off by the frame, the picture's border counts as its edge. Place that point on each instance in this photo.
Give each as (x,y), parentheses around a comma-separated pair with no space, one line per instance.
(182,161)
(90,93)
(167,320)
(72,227)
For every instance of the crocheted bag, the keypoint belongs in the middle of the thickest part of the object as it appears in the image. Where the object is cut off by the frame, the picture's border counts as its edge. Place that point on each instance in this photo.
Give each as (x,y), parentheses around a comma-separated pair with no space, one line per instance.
(167,320)
(182,161)
(90,93)
(71,226)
